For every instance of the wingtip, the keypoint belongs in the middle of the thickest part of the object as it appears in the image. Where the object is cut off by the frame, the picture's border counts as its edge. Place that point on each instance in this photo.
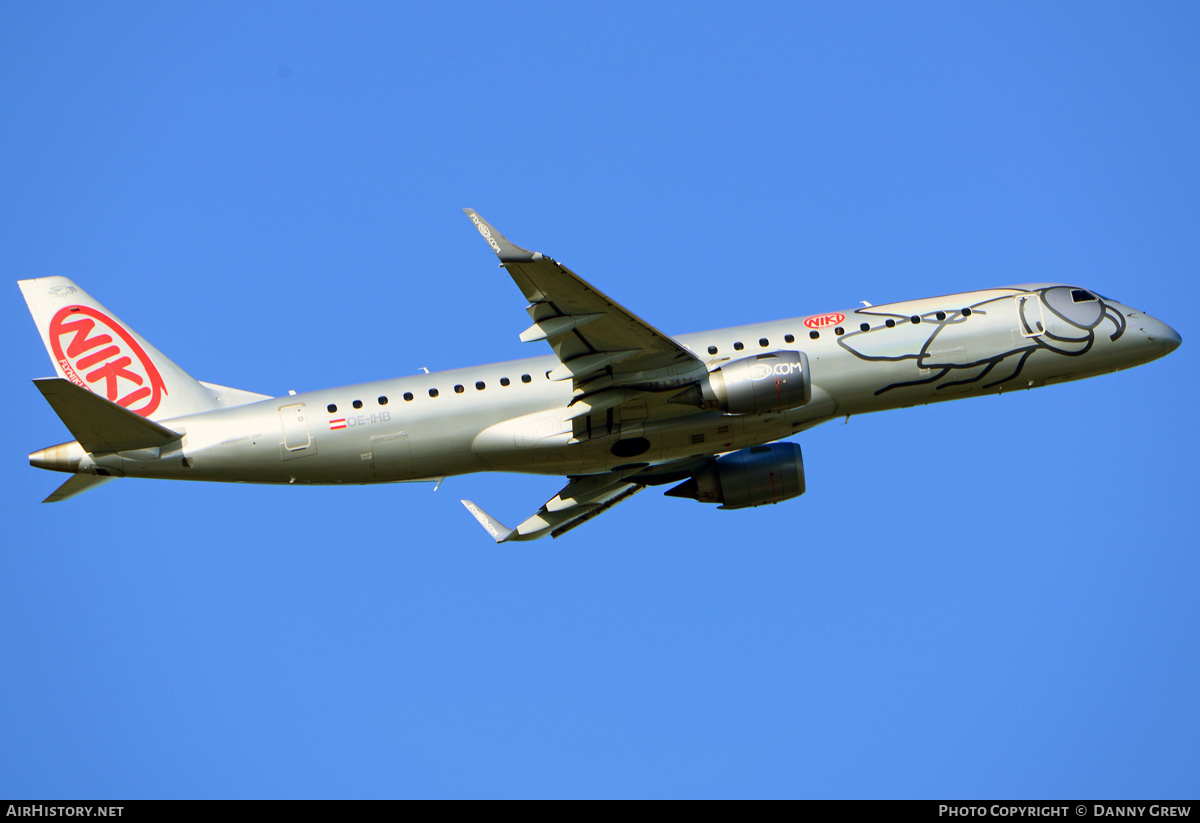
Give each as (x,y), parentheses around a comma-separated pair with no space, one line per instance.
(507,251)
(491,525)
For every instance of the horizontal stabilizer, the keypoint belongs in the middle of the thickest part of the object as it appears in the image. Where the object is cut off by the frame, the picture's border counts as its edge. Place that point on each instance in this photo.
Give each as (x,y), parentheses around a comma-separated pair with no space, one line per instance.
(77,484)
(98,424)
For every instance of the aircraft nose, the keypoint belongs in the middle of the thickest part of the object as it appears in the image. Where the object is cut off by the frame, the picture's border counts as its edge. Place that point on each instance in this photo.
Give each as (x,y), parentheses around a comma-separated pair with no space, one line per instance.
(1171,339)
(1159,332)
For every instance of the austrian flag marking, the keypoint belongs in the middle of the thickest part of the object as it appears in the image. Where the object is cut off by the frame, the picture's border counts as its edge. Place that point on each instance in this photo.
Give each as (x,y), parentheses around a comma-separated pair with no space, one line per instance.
(340,423)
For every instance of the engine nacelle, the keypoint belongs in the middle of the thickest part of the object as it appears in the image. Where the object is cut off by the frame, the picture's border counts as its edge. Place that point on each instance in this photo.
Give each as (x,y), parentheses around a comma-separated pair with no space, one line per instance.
(773,382)
(758,476)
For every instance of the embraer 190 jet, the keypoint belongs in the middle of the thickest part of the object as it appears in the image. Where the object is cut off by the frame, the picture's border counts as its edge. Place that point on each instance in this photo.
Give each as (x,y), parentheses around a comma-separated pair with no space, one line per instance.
(617,407)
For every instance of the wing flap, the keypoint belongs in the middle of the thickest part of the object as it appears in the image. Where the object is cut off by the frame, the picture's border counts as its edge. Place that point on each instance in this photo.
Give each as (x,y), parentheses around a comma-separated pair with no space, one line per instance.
(599,401)
(597,511)
(554,326)
(585,365)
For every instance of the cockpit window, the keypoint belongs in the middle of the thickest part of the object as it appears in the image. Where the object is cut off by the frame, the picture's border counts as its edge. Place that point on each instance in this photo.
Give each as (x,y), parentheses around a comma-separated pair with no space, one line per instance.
(1082,296)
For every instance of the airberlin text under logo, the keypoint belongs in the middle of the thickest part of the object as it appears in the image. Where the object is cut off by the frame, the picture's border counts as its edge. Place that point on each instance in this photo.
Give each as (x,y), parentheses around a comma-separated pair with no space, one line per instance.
(821,321)
(103,356)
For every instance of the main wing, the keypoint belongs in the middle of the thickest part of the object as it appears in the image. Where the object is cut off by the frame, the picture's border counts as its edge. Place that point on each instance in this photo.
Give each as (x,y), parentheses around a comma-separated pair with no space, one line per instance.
(623,372)
(607,351)
(585,497)
(579,501)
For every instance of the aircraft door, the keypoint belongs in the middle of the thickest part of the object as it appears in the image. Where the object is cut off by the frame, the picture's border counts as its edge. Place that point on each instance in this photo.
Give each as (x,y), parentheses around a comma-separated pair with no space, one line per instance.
(296,436)
(1030,320)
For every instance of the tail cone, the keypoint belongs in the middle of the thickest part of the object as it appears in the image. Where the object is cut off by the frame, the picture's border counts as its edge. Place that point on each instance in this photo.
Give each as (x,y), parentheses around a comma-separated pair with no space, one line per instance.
(64,457)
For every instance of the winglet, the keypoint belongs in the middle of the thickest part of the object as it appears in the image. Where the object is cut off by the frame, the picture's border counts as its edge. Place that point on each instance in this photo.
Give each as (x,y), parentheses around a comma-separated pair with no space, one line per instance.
(506,251)
(490,524)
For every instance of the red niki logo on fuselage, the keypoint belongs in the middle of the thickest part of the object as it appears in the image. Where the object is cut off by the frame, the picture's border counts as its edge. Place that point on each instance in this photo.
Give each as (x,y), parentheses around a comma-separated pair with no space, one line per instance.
(101,355)
(822,321)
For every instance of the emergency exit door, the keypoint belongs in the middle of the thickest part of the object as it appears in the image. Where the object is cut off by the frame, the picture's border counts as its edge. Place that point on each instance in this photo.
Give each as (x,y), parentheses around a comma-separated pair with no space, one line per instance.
(296,436)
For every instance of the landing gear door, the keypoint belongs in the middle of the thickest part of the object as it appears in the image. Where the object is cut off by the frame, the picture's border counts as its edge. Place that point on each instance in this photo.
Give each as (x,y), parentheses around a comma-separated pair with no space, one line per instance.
(1030,320)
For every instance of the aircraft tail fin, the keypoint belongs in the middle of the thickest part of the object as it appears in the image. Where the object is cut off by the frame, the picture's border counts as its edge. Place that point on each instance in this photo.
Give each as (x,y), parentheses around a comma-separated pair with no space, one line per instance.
(100,425)
(91,348)
(77,484)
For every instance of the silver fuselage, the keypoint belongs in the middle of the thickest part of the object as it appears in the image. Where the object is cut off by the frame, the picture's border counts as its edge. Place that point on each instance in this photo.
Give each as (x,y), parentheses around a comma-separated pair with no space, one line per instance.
(512,417)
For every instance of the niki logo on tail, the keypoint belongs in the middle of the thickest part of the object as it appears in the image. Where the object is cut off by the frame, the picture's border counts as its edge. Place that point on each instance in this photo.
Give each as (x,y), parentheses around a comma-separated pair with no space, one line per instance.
(111,364)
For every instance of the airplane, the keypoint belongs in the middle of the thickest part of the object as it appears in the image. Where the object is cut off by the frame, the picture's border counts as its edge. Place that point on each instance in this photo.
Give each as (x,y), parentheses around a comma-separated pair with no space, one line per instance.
(617,407)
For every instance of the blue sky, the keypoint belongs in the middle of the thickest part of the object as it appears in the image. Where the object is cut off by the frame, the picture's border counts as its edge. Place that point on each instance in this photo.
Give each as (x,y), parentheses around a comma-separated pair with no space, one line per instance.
(993,597)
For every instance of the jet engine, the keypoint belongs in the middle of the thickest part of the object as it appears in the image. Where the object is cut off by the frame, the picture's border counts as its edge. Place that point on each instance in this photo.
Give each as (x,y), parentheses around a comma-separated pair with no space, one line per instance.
(772,382)
(757,476)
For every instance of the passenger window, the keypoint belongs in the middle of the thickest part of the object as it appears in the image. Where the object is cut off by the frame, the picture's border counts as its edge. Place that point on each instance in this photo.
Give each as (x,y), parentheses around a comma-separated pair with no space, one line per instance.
(764,342)
(788,338)
(940,315)
(383,400)
(839,331)
(357,404)
(525,378)
(332,408)
(814,334)
(966,312)
(458,389)
(738,347)
(504,381)
(890,323)
(408,396)
(916,318)
(712,349)
(433,392)
(865,326)
(480,385)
